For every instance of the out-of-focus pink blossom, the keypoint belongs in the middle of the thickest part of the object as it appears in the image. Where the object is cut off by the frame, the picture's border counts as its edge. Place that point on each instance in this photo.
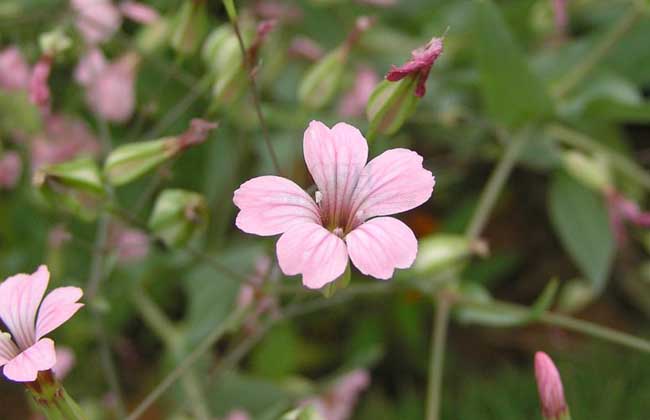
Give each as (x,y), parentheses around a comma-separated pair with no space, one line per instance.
(320,235)
(380,3)
(623,210)
(28,317)
(111,93)
(305,48)
(237,415)
(139,12)
(422,59)
(10,169)
(64,138)
(96,20)
(353,104)
(277,10)
(561,17)
(252,294)
(14,70)
(58,236)
(65,361)
(549,386)
(339,401)
(39,90)
(130,245)
(90,66)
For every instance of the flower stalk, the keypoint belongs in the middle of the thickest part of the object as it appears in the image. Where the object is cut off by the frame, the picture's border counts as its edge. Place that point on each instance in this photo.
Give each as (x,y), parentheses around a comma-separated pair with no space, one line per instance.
(50,395)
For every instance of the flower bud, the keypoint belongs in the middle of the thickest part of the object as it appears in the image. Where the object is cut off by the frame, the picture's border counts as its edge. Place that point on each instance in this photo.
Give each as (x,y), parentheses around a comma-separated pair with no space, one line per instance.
(75,186)
(390,104)
(442,251)
(190,25)
(549,386)
(54,43)
(322,80)
(177,216)
(593,172)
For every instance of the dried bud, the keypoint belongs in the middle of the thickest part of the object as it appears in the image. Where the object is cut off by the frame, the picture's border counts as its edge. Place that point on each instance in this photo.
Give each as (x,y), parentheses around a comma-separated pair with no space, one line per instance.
(390,105)
(75,186)
(443,251)
(190,26)
(593,172)
(322,80)
(549,386)
(177,216)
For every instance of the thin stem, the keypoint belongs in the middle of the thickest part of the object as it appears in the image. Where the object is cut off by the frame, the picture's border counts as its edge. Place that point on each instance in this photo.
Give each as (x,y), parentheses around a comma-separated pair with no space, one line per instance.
(495,184)
(621,27)
(437,358)
(619,161)
(232,320)
(256,100)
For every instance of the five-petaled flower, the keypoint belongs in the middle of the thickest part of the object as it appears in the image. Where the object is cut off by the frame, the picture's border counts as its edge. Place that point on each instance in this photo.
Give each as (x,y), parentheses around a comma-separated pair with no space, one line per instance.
(345,219)
(419,65)
(24,352)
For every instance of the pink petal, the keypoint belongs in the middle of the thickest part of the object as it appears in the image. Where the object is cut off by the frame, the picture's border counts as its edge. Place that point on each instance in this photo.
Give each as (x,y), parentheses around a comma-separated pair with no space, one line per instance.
(97,20)
(58,306)
(311,250)
(20,296)
(8,349)
(14,70)
(270,205)
(139,12)
(380,245)
(393,182)
(91,65)
(65,360)
(25,367)
(335,158)
(112,92)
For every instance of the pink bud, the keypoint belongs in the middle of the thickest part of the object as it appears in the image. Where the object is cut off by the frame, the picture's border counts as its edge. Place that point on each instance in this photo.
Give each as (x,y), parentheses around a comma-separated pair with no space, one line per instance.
(58,236)
(130,245)
(422,59)
(549,386)
(353,104)
(277,10)
(237,415)
(39,91)
(14,70)
(305,48)
(65,361)
(139,12)
(97,20)
(112,92)
(339,401)
(90,66)
(561,16)
(10,169)
(623,210)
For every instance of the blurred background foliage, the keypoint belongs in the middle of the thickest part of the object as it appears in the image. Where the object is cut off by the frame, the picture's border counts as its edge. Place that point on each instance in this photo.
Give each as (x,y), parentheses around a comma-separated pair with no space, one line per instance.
(506,81)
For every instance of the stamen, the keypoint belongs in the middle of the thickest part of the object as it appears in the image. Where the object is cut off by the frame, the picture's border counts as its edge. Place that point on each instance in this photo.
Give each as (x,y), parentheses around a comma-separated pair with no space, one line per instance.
(319,197)
(338,232)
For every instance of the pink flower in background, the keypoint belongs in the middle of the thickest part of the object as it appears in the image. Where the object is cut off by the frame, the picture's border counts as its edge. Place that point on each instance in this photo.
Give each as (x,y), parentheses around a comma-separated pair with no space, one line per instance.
(65,361)
(139,12)
(319,235)
(422,59)
(623,210)
(110,88)
(305,48)
(14,70)
(339,401)
(10,169)
(25,352)
(90,66)
(549,386)
(277,10)
(39,90)
(252,293)
(58,236)
(64,138)
(130,245)
(96,20)
(237,415)
(353,104)
(561,16)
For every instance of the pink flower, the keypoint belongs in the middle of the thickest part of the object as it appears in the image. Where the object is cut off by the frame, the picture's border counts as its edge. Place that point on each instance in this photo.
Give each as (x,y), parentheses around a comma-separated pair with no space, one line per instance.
(319,235)
(549,386)
(14,70)
(561,16)
(10,169)
(353,104)
(111,92)
(25,352)
(306,48)
(65,360)
(623,210)
(97,20)
(39,90)
(339,401)
(90,66)
(130,244)
(419,65)
(237,415)
(277,10)
(139,12)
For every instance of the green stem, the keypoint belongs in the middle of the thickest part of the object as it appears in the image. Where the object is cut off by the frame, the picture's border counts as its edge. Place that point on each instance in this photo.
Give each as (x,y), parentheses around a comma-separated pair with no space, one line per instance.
(52,398)
(619,161)
(437,358)
(579,72)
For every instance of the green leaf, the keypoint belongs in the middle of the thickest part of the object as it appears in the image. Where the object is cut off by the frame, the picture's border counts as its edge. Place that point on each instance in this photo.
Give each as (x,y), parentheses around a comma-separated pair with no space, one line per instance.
(276,355)
(511,92)
(580,219)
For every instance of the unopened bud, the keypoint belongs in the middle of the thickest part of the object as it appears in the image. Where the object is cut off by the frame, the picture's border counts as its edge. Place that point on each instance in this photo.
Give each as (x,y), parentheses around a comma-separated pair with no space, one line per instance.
(549,386)
(54,43)
(593,172)
(177,216)
(322,80)
(390,104)
(190,26)
(129,162)
(75,186)
(442,251)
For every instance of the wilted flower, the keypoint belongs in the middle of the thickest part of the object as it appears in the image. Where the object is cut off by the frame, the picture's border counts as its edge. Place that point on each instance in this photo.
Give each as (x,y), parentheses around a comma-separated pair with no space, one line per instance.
(353,104)
(623,210)
(549,386)
(129,244)
(339,401)
(97,20)
(10,169)
(65,360)
(139,12)
(305,48)
(419,66)
(319,235)
(23,351)
(14,70)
